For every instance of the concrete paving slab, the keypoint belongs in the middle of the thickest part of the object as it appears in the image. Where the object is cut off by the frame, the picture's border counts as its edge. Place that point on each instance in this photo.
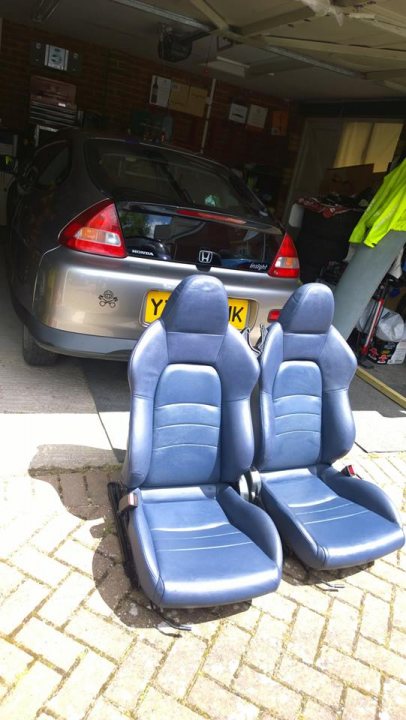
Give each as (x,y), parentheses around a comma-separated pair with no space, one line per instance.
(57,441)
(108,384)
(380,422)
(376,433)
(115,425)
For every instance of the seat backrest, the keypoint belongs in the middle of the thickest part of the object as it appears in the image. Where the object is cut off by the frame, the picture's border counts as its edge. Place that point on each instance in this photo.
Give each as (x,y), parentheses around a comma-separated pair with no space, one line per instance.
(306,370)
(191,376)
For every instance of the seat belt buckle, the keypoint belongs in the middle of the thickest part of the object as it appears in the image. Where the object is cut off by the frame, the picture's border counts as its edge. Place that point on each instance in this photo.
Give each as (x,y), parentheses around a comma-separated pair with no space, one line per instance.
(253,483)
(127,502)
(349,471)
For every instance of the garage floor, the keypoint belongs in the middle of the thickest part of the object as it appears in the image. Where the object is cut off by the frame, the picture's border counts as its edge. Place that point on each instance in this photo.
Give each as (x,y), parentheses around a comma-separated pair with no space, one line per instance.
(76,642)
(392,375)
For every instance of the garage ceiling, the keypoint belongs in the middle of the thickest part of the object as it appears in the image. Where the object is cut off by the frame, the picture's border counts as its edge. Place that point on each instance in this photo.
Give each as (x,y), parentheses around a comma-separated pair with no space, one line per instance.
(300,49)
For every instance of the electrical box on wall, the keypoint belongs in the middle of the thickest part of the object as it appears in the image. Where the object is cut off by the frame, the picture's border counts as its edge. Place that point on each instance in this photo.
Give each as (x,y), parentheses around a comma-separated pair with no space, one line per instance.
(55,58)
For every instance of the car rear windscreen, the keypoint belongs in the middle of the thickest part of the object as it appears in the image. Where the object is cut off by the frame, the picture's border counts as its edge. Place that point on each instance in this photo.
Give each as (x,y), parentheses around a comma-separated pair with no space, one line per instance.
(127,169)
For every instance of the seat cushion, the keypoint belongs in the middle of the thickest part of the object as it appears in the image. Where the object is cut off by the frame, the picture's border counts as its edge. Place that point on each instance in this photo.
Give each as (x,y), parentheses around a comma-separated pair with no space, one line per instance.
(200,558)
(324,529)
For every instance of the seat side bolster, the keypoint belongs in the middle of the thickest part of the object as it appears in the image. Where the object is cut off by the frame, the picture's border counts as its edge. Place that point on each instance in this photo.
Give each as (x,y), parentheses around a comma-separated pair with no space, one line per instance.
(238,370)
(148,360)
(237,444)
(270,361)
(337,361)
(139,447)
(254,523)
(144,553)
(338,427)
(338,364)
(363,493)
(293,532)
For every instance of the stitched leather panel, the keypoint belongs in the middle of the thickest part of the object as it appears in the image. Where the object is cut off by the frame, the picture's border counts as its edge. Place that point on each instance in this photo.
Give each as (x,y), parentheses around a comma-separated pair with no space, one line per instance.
(187,413)
(297,415)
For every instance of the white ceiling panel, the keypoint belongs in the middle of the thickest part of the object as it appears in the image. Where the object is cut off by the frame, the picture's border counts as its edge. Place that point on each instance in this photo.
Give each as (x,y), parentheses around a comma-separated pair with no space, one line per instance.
(299,53)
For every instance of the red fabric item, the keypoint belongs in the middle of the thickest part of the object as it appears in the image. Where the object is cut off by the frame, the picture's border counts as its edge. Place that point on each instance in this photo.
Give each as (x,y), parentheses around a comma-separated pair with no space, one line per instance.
(327,211)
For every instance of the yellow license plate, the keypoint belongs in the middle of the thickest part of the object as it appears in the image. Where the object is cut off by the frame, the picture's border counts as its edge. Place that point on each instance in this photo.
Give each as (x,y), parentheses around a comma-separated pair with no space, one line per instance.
(156,301)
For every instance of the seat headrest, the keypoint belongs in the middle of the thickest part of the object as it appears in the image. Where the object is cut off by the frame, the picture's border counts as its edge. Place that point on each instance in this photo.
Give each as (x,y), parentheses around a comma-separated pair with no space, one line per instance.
(309,310)
(198,305)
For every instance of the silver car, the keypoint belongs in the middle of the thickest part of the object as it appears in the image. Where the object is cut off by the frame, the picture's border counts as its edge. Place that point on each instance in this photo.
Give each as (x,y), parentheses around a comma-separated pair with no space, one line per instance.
(103,228)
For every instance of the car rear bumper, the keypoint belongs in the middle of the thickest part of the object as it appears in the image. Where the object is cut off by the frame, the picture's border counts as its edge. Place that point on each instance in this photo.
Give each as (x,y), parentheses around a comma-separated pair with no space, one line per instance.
(95,306)
(90,346)
(75,344)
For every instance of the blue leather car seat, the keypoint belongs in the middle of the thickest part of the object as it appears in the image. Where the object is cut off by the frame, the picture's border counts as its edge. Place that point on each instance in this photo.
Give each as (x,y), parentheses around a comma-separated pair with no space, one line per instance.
(328,519)
(194,540)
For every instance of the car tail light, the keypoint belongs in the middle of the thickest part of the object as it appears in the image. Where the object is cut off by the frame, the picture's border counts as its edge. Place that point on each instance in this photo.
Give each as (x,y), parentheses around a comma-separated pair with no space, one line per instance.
(203,215)
(286,262)
(97,230)
(273,315)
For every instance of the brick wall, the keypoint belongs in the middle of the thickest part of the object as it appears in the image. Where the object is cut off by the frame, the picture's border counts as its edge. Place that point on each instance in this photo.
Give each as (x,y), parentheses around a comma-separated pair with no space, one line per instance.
(114,84)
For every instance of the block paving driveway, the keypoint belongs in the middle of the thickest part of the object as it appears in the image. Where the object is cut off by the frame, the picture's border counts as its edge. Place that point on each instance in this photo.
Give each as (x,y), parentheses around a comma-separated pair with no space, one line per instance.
(77,642)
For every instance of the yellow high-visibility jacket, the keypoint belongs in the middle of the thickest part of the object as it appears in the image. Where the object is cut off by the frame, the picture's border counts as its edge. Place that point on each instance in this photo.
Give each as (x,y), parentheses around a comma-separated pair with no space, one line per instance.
(386,211)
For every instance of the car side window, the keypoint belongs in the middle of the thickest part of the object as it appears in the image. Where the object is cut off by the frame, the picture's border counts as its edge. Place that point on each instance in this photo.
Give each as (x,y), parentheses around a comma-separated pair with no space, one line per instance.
(49,167)
(53,166)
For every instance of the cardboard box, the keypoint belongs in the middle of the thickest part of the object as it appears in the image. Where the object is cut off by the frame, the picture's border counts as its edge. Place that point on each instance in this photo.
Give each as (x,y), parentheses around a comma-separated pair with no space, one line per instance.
(196,104)
(179,96)
(347,180)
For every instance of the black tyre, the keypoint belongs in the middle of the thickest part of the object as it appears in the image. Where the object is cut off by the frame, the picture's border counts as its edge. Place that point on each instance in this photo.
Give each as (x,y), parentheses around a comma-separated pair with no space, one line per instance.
(33,354)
